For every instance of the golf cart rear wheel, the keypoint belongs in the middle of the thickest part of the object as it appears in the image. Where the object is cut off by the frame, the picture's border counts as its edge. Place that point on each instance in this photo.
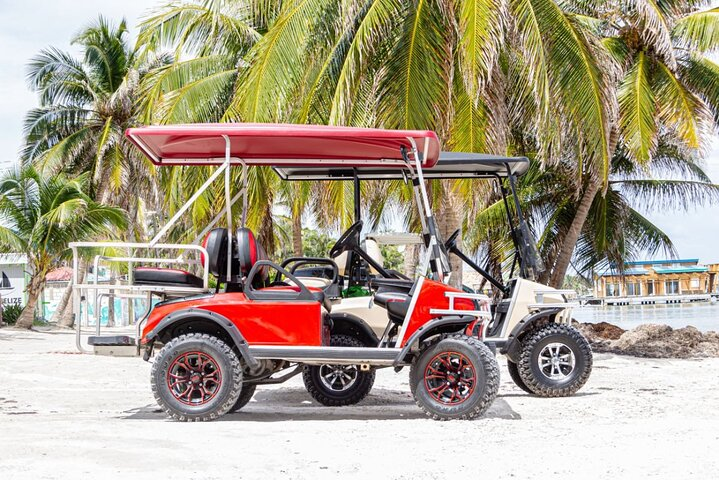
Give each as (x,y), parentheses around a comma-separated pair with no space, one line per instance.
(196,377)
(514,374)
(245,396)
(458,378)
(555,361)
(339,385)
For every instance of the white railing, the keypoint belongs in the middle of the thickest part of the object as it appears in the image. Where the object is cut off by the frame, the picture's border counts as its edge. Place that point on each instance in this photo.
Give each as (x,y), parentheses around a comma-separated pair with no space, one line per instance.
(128,291)
(482,313)
(565,316)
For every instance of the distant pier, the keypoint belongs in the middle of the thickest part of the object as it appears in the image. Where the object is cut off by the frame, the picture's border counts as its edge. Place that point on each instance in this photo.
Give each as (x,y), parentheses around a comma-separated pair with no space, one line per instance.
(652,300)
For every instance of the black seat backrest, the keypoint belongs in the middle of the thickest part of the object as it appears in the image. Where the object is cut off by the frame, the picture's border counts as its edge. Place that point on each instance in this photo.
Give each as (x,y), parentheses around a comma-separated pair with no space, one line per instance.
(216,244)
(249,251)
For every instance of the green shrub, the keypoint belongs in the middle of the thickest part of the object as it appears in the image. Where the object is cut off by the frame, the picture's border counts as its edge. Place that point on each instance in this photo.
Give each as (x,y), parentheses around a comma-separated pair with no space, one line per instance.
(10,313)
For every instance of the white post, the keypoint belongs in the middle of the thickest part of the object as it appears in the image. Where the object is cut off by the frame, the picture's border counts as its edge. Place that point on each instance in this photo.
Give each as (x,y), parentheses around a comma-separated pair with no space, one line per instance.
(244,194)
(228,207)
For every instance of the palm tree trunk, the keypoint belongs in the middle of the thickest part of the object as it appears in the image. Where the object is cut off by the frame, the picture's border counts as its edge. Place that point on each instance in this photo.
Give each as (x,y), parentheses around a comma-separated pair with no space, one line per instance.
(564,256)
(68,315)
(297,233)
(57,314)
(28,313)
(448,221)
(411,258)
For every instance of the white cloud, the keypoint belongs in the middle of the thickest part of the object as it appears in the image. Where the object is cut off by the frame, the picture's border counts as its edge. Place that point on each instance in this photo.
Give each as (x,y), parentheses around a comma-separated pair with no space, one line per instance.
(28,26)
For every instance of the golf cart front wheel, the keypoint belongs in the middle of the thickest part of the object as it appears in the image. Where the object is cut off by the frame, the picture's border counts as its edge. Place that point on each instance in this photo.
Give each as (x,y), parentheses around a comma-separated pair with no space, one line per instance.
(339,385)
(555,361)
(457,378)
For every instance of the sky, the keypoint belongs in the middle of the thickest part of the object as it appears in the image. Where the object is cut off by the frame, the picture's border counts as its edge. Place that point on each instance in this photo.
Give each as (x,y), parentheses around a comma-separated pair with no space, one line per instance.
(28,26)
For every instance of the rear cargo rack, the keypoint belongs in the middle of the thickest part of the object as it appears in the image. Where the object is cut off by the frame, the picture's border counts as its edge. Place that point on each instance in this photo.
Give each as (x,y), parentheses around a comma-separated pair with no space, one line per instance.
(90,297)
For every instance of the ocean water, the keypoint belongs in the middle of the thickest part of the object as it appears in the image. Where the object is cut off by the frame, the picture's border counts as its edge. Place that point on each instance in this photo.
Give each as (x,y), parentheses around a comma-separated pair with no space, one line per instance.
(704,316)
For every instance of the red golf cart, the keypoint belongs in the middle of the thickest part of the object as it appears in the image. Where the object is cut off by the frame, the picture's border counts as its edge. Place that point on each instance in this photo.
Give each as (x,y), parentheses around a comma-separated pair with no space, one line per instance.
(262,324)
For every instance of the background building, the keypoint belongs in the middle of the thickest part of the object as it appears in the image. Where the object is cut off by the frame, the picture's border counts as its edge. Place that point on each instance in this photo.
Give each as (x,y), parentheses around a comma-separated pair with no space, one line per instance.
(13,278)
(658,277)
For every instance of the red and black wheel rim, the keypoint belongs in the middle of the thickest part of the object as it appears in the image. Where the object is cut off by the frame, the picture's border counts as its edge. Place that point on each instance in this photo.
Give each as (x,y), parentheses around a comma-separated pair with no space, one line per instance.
(450,378)
(194,378)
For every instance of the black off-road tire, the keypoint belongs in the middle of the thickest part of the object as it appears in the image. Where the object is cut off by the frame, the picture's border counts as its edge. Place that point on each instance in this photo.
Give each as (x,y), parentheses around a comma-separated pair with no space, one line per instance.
(413,380)
(339,398)
(245,396)
(485,370)
(540,383)
(514,374)
(227,362)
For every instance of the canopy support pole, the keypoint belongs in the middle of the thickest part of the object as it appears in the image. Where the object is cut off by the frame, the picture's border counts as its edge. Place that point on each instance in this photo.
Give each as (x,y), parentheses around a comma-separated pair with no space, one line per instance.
(433,247)
(214,221)
(357,195)
(188,203)
(244,193)
(228,207)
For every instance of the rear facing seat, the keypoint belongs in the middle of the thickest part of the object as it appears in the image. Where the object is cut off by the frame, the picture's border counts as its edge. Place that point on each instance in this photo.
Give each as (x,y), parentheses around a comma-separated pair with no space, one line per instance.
(166,277)
(216,244)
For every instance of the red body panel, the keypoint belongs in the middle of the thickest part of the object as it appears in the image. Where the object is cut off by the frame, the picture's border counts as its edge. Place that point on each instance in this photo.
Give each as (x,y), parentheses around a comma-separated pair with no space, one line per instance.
(432,296)
(296,323)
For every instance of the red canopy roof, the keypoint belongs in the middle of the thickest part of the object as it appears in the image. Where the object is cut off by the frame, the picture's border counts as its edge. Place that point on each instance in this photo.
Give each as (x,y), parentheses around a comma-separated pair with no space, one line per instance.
(277,144)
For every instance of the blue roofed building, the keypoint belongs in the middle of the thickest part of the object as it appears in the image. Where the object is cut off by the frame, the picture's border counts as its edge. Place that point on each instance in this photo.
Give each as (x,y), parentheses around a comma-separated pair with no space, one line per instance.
(649,278)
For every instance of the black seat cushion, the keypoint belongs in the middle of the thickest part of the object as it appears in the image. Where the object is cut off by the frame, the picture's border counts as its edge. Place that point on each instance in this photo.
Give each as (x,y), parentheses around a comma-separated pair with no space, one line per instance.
(396,304)
(167,277)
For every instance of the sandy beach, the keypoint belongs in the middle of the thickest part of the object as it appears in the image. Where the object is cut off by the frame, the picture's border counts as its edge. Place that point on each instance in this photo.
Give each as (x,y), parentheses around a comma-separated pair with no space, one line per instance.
(66,415)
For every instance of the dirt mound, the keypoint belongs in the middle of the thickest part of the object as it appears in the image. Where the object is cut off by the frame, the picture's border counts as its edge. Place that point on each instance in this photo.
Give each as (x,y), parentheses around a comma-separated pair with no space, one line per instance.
(604,330)
(655,341)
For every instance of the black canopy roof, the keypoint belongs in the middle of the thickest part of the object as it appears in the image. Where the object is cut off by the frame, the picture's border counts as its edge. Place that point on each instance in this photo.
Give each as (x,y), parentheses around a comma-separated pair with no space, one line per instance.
(450,165)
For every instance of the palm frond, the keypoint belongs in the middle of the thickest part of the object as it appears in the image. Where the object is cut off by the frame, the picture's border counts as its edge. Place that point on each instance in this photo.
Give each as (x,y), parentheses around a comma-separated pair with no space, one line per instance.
(481,32)
(275,64)
(662,195)
(702,76)
(679,108)
(200,29)
(637,110)
(698,31)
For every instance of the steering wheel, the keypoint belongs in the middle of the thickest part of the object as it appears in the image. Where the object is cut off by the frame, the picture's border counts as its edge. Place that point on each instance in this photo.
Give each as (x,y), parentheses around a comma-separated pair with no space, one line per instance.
(348,240)
(452,240)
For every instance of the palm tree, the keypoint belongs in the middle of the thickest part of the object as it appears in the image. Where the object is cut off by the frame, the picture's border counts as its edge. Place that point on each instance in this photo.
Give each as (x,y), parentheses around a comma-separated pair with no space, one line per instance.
(615,231)
(665,84)
(41,215)
(85,107)
(579,81)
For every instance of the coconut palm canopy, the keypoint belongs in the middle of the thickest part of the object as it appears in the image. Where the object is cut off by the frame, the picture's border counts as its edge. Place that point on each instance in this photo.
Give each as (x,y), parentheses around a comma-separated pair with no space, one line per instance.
(575,85)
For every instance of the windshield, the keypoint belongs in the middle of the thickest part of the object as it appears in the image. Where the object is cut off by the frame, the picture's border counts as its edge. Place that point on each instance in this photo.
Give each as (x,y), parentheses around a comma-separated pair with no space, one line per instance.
(531,264)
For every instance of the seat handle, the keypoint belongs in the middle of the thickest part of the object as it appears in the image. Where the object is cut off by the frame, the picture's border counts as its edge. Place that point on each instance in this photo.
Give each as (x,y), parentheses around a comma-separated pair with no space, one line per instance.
(304,293)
